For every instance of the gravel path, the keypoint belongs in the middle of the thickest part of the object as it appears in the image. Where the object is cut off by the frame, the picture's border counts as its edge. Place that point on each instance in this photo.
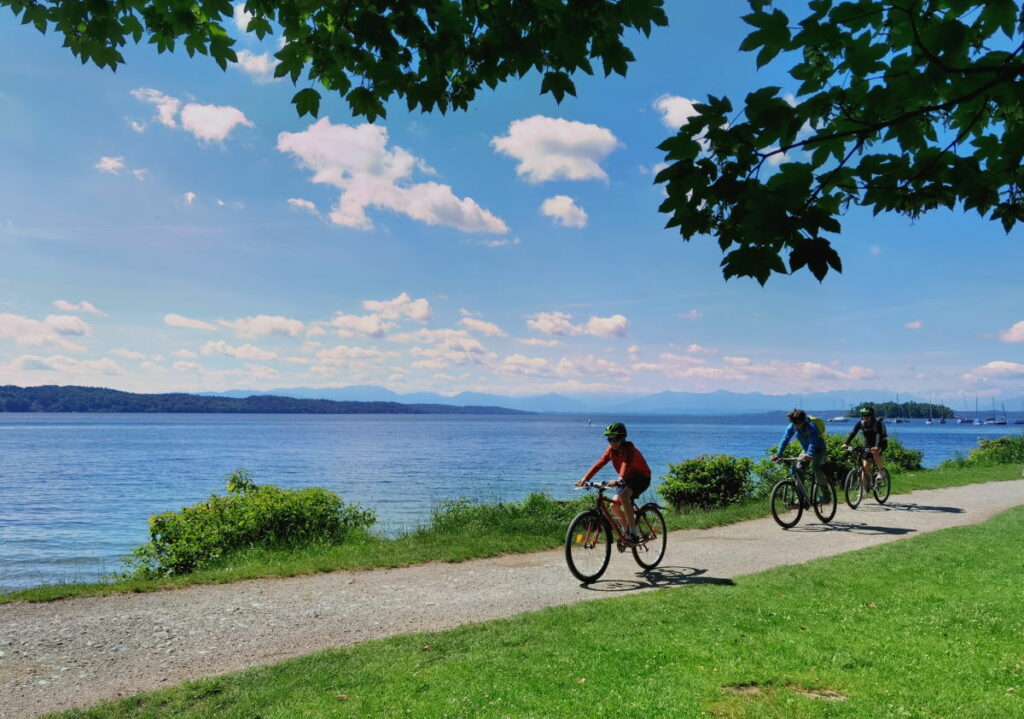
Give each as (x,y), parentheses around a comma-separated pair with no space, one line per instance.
(77,652)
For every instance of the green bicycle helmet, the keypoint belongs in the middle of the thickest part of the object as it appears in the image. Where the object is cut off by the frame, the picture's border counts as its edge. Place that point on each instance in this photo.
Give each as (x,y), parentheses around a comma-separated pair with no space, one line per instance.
(615,429)
(867,410)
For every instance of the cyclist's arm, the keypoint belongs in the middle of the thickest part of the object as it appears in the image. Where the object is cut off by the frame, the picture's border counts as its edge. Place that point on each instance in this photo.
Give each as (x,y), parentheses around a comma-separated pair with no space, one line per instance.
(880,433)
(853,433)
(813,439)
(605,458)
(787,435)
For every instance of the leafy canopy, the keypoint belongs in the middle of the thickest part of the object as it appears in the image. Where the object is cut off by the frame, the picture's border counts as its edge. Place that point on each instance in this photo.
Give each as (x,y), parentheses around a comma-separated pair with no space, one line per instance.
(432,53)
(902,106)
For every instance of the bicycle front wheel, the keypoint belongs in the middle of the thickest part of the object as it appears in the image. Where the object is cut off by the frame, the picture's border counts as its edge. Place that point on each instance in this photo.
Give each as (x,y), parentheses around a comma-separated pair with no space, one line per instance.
(882,486)
(786,506)
(650,525)
(824,508)
(854,491)
(588,546)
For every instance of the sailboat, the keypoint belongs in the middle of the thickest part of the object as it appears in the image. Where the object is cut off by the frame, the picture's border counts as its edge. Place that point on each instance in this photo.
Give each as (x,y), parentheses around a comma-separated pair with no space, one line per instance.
(897,419)
(929,420)
(996,420)
(840,417)
(977,417)
(965,419)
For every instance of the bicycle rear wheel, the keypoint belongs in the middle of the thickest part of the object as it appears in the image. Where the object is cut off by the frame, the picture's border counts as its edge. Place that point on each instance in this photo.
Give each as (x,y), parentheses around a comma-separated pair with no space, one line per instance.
(786,506)
(854,492)
(650,525)
(882,486)
(825,510)
(588,546)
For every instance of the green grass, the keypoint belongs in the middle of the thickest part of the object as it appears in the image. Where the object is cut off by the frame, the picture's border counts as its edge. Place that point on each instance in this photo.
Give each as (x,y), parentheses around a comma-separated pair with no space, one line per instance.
(459,532)
(926,627)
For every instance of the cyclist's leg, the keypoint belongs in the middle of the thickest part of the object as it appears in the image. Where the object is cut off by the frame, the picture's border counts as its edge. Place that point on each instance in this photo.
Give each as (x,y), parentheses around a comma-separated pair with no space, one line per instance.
(819,476)
(622,505)
(876,453)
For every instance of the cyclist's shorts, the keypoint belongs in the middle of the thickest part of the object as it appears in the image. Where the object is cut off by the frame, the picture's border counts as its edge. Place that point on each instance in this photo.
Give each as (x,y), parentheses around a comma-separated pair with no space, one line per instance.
(866,454)
(638,484)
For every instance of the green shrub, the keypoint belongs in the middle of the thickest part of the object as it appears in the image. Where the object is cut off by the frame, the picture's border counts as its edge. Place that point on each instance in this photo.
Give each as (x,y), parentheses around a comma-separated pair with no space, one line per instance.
(249,515)
(707,481)
(538,513)
(1000,450)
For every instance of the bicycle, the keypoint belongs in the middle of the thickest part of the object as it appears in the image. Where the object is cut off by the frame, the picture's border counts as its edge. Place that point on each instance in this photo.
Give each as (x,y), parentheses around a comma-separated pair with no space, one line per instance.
(789,497)
(588,541)
(859,482)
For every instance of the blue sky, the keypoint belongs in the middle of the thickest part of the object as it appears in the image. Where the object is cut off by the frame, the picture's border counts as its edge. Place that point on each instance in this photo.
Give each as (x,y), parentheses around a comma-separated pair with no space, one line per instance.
(173,227)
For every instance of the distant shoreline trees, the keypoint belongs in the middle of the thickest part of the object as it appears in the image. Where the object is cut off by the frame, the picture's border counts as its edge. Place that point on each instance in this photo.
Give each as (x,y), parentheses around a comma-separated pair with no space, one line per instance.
(53,398)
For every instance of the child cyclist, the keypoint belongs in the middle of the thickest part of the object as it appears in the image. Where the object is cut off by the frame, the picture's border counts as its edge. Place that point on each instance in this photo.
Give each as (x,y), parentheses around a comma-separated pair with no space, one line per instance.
(812,443)
(634,476)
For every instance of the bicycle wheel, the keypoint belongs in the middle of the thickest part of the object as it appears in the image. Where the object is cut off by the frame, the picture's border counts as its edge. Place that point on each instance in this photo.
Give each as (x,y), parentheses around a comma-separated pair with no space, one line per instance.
(786,506)
(882,486)
(650,525)
(825,510)
(588,546)
(853,491)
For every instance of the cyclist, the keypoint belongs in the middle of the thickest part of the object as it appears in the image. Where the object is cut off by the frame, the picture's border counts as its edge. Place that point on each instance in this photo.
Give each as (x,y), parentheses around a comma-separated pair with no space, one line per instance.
(875,438)
(634,476)
(813,445)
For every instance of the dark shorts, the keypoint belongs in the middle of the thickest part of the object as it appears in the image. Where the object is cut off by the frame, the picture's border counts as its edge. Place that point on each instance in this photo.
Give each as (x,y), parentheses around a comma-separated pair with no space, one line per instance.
(866,453)
(638,484)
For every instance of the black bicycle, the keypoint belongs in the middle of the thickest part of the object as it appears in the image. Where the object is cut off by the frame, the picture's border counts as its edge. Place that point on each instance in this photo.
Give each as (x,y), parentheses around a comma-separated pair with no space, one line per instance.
(859,482)
(790,496)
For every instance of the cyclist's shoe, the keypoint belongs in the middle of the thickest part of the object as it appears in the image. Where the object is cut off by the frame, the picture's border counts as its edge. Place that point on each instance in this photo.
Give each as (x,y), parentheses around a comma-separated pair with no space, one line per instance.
(633,538)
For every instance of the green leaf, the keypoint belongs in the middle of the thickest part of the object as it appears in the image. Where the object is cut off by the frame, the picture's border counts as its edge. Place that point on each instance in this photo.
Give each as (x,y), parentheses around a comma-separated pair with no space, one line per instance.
(559,84)
(307,102)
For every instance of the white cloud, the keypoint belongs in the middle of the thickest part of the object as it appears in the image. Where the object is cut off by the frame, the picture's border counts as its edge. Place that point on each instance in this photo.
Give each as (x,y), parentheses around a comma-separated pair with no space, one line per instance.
(487,329)
(691,315)
(564,211)
(551,323)
(259,67)
(428,337)
(166,106)
(212,123)
(126,354)
(454,351)
(263,325)
(498,243)
(112,165)
(551,148)
(400,306)
(742,369)
(675,111)
(185,353)
(174,320)
(53,330)
(82,306)
(209,123)
(248,352)
(538,342)
(913,325)
(359,325)
(1014,334)
(241,17)
(697,349)
(590,365)
(995,371)
(303,205)
(875,250)
(356,160)
(345,355)
(523,365)
(190,197)
(560,324)
(186,367)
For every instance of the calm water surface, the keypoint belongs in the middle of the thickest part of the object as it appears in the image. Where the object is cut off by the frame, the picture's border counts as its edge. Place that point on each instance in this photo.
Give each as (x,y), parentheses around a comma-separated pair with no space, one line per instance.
(76,489)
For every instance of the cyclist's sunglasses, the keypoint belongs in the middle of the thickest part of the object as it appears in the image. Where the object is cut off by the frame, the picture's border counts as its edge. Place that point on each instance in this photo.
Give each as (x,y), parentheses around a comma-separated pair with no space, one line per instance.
(614,437)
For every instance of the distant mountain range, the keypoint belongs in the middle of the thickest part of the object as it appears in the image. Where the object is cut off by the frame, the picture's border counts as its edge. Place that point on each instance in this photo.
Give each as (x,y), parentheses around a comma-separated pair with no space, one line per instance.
(52,398)
(720,402)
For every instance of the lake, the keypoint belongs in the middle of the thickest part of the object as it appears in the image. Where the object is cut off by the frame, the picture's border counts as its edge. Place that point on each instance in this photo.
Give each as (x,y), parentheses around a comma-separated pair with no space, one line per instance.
(76,489)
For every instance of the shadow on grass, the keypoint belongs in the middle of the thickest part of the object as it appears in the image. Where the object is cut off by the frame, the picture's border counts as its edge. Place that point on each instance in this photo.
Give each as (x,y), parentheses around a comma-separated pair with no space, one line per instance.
(656,578)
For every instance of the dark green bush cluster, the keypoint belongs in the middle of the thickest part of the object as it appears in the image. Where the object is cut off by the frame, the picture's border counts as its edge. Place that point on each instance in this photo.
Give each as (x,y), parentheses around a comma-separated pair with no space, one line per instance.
(707,481)
(537,513)
(248,515)
(1000,450)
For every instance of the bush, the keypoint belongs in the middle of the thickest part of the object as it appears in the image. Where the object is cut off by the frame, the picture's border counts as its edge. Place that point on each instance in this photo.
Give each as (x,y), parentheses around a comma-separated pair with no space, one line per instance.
(1001,450)
(707,481)
(249,515)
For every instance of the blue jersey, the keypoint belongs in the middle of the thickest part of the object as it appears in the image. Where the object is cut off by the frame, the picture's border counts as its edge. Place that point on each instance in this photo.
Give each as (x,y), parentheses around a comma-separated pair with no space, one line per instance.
(808,436)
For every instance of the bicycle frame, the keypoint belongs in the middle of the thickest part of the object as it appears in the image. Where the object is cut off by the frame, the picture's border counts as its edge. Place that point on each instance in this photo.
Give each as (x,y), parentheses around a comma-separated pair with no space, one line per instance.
(604,506)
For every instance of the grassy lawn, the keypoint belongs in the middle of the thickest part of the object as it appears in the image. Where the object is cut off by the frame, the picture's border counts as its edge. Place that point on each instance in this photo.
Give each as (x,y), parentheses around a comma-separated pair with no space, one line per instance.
(925,627)
(465,532)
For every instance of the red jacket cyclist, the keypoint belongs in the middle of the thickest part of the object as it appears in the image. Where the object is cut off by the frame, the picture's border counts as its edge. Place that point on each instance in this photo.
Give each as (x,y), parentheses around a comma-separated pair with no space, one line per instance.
(634,475)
